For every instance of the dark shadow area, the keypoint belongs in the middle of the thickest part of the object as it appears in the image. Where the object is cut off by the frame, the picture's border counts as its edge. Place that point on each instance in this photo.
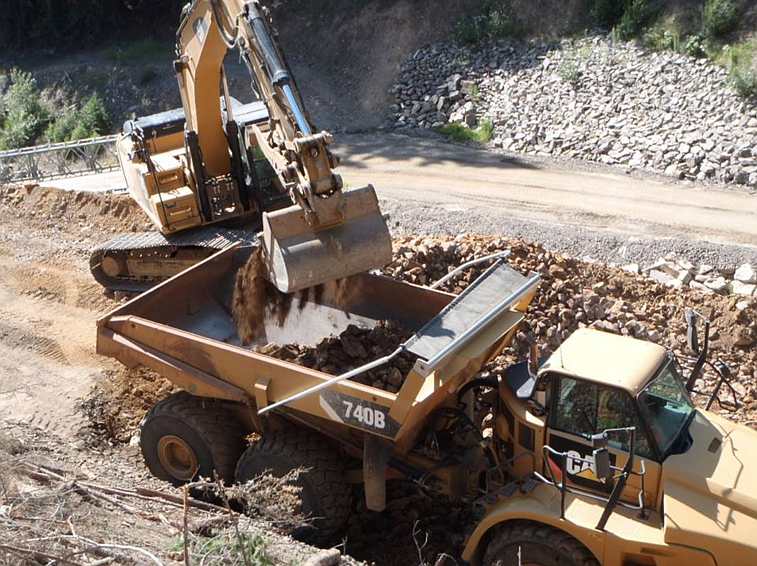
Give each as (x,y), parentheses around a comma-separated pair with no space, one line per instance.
(426,151)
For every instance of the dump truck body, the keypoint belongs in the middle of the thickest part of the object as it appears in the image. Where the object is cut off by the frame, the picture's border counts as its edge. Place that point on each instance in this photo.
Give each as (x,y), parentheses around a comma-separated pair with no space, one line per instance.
(184,330)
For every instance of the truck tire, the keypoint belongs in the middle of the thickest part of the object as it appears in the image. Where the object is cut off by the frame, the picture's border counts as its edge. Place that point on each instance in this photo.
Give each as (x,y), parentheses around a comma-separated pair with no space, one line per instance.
(538,544)
(184,437)
(325,496)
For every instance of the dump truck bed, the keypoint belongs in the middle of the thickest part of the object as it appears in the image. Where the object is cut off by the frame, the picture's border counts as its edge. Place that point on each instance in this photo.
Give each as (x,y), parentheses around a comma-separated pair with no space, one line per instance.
(184,330)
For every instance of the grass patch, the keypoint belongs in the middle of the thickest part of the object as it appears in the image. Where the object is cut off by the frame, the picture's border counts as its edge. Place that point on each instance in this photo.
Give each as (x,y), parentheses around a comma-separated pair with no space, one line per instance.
(224,547)
(492,23)
(569,71)
(719,18)
(742,75)
(24,116)
(473,91)
(460,133)
(661,37)
(139,51)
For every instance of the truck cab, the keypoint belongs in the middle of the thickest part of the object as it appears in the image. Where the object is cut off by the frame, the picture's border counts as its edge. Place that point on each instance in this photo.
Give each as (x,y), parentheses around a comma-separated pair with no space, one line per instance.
(567,431)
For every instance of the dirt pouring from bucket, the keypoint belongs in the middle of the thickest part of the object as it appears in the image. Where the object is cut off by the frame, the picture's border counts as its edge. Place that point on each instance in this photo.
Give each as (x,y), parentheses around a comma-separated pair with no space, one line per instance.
(255,300)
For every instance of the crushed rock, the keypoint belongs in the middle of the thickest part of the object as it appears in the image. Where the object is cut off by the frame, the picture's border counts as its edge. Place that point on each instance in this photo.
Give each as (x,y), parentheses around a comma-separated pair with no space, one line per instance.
(575,294)
(351,349)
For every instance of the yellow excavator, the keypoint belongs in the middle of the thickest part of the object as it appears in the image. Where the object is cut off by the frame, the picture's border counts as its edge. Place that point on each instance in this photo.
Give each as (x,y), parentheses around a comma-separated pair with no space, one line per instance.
(216,171)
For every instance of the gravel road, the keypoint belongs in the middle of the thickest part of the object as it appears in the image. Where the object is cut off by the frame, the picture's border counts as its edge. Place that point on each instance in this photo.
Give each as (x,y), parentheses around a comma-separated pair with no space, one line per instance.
(428,186)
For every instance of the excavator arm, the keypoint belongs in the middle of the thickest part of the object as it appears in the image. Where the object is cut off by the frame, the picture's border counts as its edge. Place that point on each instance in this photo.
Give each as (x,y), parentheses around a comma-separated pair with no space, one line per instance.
(328,233)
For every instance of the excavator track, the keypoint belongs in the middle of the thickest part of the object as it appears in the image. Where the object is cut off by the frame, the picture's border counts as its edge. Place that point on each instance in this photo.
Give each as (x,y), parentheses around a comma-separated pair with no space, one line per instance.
(137,261)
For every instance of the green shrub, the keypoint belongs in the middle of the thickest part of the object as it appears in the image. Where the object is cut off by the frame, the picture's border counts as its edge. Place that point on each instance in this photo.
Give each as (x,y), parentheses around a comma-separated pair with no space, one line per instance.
(660,38)
(474,92)
(719,17)
(744,81)
(739,61)
(569,71)
(89,122)
(607,13)
(633,19)
(492,23)
(696,46)
(60,130)
(25,115)
(461,133)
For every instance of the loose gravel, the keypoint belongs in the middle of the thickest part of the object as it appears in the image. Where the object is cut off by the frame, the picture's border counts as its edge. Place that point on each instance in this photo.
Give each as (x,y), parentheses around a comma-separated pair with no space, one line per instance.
(593,245)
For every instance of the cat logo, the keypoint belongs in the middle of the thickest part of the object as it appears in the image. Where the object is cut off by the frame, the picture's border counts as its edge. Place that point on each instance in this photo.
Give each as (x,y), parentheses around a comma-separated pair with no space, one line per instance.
(581,466)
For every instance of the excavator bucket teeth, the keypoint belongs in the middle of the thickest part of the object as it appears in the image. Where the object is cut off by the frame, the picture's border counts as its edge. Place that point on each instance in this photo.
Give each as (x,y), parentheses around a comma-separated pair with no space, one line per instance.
(298,257)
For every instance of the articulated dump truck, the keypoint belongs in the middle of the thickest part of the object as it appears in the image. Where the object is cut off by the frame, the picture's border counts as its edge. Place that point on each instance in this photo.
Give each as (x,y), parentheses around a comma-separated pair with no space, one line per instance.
(596,455)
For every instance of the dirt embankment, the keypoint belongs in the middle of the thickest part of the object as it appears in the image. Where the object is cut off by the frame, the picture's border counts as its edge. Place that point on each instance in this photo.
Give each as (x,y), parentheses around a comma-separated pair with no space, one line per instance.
(346,55)
(73,209)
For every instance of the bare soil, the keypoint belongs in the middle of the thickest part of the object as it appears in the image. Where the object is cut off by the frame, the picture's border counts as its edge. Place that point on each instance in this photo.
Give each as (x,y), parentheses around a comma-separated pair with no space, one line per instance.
(48,306)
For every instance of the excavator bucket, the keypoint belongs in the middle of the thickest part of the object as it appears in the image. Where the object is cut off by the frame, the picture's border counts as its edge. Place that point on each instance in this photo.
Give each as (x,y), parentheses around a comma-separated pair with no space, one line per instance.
(298,256)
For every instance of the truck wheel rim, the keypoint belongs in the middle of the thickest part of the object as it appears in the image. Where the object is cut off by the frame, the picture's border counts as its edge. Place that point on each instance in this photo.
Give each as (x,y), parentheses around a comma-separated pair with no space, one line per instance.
(177,457)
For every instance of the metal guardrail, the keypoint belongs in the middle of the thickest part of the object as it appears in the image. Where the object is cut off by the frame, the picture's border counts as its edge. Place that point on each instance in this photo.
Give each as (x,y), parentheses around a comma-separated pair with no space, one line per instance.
(54,161)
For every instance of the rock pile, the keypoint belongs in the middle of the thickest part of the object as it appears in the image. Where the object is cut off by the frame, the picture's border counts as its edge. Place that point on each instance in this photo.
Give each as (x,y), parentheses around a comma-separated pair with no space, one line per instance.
(592,99)
(351,349)
(576,294)
(705,278)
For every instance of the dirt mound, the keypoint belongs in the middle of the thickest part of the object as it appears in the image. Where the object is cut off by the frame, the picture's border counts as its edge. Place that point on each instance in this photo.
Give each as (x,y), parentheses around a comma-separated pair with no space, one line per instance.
(86,210)
(413,515)
(116,404)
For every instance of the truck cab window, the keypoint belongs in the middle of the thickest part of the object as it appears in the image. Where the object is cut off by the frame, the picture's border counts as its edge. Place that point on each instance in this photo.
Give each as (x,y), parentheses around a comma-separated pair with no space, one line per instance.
(585,408)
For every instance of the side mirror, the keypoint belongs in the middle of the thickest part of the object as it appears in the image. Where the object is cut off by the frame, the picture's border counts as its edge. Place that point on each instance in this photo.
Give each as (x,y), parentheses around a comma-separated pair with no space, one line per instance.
(599,440)
(602,463)
(692,333)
